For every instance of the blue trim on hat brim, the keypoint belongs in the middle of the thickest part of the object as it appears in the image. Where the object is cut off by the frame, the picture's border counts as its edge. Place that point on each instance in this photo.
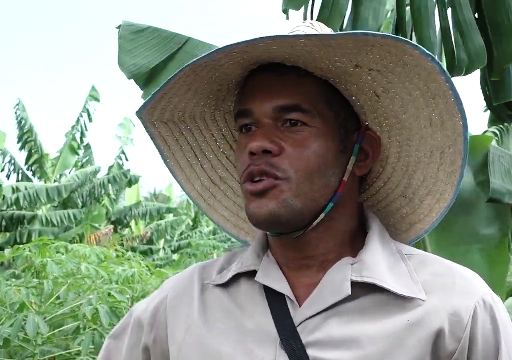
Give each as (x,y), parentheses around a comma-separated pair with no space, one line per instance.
(423,51)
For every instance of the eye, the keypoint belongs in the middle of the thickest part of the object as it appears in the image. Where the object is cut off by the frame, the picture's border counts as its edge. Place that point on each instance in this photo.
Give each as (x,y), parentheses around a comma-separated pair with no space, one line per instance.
(293,123)
(246,128)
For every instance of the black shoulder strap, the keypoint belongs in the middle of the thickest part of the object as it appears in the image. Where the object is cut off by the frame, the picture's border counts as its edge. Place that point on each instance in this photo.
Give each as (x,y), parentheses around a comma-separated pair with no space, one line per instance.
(288,334)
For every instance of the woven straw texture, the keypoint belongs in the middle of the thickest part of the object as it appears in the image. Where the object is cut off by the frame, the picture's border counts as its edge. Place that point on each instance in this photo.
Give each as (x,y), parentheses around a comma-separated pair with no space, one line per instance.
(393,84)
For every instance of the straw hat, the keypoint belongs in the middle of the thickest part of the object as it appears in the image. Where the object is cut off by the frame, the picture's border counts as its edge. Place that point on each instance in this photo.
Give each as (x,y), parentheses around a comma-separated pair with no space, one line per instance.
(396,86)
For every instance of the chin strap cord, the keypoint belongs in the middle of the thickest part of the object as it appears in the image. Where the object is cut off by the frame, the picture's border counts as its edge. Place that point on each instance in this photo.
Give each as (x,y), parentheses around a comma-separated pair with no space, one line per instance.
(336,196)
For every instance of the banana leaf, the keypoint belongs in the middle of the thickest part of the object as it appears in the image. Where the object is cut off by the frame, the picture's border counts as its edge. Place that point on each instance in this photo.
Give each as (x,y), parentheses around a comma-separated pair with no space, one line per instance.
(36,197)
(401,19)
(475,233)
(13,220)
(2,139)
(145,211)
(60,218)
(11,189)
(389,24)
(368,14)
(86,159)
(36,160)
(150,55)
(332,13)
(467,36)
(508,306)
(75,138)
(26,235)
(509,280)
(82,176)
(161,229)
(499,113)
(500,89)
(295,5)
(424,24)
(495,175)
(93,220)
(498,20)
(132,196)
(100,187)
(124,132)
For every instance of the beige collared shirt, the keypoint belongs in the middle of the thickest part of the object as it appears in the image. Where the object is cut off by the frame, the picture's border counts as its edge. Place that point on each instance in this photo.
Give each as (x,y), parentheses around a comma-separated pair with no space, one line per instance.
(390,302)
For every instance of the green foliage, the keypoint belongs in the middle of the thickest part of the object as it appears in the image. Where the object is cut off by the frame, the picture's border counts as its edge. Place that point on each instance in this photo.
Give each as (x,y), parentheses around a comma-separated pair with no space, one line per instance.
(59,301)
(2,139)
(11,167)
(509,281)
(36,161)
(508,306)
(144,211)
(149,55)
(124,132)
(332,13)
(70,202)
(185,237)
(73,147)
(476,231)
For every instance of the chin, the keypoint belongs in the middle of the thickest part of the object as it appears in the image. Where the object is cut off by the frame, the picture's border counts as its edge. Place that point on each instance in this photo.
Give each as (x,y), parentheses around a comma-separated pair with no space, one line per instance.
(272,217)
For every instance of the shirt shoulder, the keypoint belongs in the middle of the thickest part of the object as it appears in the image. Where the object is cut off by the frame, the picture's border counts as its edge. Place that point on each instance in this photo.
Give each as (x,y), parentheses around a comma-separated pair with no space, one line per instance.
(445,282)
(147,326)
(200,274)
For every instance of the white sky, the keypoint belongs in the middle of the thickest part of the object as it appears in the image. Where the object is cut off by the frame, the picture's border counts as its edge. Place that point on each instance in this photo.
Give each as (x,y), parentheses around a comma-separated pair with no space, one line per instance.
(54,50)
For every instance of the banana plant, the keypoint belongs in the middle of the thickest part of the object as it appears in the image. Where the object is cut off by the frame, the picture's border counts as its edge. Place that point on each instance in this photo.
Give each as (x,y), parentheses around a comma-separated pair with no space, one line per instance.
(64,197)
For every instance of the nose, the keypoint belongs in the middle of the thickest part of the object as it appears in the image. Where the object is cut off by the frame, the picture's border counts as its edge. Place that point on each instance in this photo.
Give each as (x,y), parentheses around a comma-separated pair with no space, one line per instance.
(264,143)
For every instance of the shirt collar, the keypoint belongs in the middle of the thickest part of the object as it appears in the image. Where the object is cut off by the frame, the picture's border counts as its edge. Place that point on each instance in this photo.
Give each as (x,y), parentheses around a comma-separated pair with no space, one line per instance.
(380,262)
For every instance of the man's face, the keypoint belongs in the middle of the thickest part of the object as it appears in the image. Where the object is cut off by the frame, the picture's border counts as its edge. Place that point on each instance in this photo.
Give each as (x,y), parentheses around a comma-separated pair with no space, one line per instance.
(288,153)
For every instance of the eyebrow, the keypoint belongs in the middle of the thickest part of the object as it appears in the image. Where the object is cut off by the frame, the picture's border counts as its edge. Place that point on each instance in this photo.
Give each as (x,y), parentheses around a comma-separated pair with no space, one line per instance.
(243,113)
(291,108)
(284,109)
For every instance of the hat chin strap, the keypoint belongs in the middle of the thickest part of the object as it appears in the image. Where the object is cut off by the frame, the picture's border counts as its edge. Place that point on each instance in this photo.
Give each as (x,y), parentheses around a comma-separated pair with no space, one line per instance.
(336,196)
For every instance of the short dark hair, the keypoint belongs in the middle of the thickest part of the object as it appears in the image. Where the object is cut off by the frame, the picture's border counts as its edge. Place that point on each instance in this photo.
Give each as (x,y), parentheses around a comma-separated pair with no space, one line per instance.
(348,120)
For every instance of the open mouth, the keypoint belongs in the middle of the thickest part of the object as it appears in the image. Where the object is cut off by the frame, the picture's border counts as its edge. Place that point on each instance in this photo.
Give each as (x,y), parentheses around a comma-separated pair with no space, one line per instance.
(260,185)
(259,180)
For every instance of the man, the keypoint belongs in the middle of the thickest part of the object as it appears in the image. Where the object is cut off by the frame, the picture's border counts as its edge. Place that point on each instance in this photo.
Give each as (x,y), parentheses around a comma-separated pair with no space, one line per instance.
(328,192)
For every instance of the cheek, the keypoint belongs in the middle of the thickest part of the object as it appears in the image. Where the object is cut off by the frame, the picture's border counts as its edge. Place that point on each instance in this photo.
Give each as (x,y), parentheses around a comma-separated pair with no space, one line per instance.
(320,166)
(240,161)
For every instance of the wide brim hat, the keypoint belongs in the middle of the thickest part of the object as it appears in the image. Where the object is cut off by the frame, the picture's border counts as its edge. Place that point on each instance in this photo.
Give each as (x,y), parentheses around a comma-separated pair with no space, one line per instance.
(394,85)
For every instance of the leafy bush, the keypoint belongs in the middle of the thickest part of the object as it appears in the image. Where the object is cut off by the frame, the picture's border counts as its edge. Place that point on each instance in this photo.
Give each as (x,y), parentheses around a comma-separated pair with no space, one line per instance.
(59,301)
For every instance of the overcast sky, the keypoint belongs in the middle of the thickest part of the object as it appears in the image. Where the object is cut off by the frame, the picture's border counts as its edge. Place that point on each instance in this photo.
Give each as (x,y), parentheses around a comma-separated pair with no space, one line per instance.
(54,50)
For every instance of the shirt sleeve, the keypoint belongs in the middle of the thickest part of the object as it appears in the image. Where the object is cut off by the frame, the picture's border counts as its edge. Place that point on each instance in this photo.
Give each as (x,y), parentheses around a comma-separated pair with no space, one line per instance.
(488,333)
(141,334)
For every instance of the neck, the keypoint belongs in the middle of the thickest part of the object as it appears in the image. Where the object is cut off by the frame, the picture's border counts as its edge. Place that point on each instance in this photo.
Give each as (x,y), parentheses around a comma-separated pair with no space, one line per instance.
(305,260)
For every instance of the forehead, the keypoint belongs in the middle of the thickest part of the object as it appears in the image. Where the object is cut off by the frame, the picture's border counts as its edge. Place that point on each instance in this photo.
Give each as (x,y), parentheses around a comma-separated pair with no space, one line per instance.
(264,87)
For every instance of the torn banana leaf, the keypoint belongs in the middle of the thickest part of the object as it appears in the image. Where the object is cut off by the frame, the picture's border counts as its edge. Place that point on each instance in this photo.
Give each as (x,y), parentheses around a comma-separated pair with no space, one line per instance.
(368,14)
(424,24)
(332,13)
(446,34)
(150,55)
(468,36)
(498,18)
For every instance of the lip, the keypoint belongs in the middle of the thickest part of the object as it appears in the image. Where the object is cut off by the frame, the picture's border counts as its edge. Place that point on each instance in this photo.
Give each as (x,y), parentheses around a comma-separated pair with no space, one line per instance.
(267,180)
(260,187)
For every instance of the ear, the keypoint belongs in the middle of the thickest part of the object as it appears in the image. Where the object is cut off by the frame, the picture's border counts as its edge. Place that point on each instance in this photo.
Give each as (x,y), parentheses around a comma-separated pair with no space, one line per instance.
(369,152)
